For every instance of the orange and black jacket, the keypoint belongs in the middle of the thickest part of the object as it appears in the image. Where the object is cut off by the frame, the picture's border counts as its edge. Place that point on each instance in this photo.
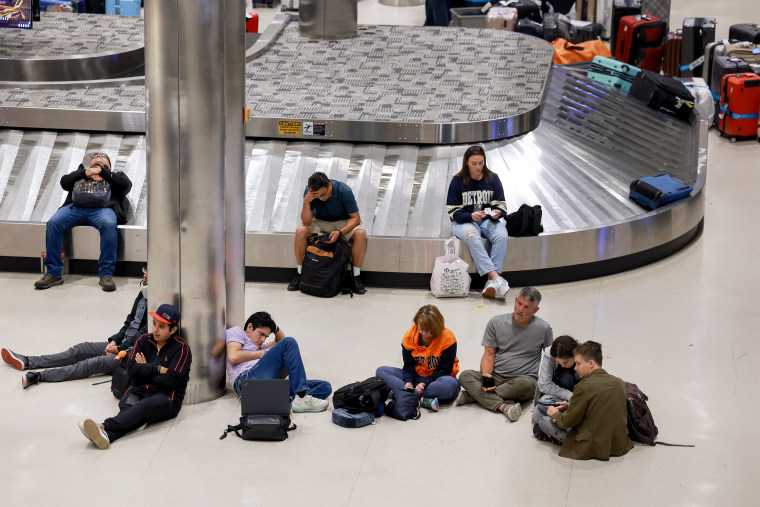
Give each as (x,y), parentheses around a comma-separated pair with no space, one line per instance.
(431,362)
(174,355)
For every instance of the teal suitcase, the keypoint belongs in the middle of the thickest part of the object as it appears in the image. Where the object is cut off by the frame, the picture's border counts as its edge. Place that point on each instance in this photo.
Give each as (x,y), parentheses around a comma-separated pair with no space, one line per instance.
(613,73)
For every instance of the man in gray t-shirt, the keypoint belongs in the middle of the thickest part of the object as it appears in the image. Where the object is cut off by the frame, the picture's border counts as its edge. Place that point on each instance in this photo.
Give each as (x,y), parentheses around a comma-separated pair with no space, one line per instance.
(509,367)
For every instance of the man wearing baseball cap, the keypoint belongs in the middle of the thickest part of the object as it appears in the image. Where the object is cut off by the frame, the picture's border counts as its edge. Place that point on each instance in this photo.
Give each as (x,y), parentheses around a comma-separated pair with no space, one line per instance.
(159,369)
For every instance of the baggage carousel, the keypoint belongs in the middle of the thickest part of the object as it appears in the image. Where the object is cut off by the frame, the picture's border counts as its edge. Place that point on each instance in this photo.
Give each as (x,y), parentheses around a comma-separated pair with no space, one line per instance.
(391,113)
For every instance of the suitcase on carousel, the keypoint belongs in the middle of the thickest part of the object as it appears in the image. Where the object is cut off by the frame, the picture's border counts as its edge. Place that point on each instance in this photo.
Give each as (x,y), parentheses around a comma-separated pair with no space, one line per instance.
(749,32)
(639,41)
(671,54)
(658,190)
(96,6)
(726,65)
(585,30)
(697,34)
(613,73)
(620,9)
(529,27)
(663,93)
(526,9)
(739,106)
(502,18)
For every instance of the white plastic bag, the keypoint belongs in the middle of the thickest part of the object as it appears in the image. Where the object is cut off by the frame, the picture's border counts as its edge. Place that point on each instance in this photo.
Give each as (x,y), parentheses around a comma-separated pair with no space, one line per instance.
(450,277)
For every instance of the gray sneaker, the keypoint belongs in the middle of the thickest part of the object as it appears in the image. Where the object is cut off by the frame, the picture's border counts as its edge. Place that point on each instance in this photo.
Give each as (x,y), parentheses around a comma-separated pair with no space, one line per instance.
(512,411)
(308,404)
(12,359)
(47,281)
(107,283)
(464,398)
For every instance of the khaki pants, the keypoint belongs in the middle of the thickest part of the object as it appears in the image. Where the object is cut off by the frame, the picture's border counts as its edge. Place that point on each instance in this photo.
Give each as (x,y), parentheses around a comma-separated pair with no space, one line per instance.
(513,389)
(321,227)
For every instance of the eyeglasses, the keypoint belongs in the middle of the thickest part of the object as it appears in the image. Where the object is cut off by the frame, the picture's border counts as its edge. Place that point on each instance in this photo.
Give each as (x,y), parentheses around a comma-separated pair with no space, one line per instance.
(96,155)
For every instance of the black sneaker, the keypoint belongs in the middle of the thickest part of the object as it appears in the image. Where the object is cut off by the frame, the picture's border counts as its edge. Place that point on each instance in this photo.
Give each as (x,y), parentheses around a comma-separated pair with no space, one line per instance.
(47,281)
(359,286)
(295,283)
(107,284)
(540,435)
(29,379)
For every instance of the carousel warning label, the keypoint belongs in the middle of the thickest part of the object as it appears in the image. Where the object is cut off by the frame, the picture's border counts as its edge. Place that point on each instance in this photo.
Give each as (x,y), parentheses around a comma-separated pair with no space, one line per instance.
(289,128)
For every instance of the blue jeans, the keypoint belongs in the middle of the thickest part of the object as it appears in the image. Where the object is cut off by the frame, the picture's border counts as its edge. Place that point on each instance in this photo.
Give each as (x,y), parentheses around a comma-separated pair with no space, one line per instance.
(68,217)
(495,232)
(444,388)
(284,354)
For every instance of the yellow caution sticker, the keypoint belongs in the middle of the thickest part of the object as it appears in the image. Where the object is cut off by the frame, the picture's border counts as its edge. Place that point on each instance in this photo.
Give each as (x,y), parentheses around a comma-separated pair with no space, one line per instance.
(289,128)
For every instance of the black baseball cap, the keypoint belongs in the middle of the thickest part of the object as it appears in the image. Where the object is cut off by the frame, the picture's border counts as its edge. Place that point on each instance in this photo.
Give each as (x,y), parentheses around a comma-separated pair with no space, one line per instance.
(166,313)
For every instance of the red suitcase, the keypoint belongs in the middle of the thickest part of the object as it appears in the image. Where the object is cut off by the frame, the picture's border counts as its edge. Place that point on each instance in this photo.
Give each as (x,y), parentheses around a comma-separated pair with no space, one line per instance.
(639,41)
(739,105)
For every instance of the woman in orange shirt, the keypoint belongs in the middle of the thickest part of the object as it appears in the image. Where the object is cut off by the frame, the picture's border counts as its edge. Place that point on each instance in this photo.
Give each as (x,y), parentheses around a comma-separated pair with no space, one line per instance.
(430,358)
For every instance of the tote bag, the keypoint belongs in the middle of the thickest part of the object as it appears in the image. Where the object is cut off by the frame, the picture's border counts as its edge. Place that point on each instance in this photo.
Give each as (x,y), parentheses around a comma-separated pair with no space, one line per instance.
(450,277)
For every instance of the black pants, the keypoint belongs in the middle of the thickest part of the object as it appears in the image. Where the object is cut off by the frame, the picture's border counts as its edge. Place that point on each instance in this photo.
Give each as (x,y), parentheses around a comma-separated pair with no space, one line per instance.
(150,408)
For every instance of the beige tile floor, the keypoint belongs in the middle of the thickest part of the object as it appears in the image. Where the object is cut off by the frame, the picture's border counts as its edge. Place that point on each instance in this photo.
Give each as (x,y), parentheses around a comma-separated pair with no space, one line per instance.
(684,329)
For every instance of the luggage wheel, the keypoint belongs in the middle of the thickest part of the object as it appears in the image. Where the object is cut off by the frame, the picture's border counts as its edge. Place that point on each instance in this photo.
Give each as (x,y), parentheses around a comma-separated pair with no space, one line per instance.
(733,140)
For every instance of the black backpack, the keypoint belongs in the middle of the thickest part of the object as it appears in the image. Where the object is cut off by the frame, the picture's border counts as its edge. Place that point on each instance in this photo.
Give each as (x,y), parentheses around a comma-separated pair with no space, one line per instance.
(641,426)
(526,221)
(324,267)
(364,396)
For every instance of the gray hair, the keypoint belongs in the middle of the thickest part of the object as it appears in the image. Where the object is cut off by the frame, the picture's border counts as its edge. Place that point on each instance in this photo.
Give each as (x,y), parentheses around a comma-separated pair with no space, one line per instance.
(531,294)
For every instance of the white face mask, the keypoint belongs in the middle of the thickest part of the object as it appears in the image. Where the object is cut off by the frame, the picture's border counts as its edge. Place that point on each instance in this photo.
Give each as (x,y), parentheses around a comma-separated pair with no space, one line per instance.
(144,289)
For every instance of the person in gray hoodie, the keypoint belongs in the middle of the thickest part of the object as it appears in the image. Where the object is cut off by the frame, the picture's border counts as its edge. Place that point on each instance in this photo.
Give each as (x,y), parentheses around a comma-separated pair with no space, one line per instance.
(556,378)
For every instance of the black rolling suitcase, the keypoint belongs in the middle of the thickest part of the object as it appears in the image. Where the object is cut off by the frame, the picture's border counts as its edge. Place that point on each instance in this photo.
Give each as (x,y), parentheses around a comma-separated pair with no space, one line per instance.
(529,27)
(697,34)
(663,93)
(526,9)
(749,32)
(585,30)
(726,65)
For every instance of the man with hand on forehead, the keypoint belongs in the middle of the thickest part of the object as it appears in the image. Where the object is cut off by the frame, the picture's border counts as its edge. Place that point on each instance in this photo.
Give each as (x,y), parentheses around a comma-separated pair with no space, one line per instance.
(105,216)
(159,369)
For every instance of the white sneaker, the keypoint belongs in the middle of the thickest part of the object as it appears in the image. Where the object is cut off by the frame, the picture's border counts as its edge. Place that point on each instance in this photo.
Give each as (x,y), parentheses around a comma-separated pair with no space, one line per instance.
(489,290)
(94,433)
(309,404)
(502,287)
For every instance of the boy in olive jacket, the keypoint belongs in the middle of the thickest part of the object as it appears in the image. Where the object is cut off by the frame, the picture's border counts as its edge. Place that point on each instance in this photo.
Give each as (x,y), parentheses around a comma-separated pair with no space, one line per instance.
(596,417)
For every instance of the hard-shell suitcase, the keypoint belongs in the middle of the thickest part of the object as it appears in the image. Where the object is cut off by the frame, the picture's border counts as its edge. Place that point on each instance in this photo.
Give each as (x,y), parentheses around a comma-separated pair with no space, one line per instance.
(620,9)
(657,8)
(123,7)
(612,73)
(63,5)
(697,34)
(726,65)
(747,51)
(639,41)
(585,30)
(658,190)
(712,51)
(746,32)
(739,106)
(663,93)
(502,18)
(671,54)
